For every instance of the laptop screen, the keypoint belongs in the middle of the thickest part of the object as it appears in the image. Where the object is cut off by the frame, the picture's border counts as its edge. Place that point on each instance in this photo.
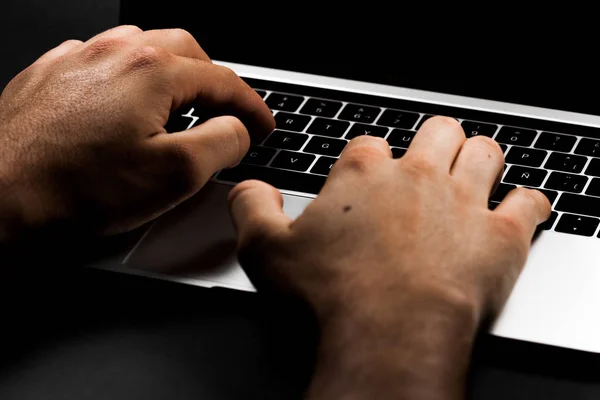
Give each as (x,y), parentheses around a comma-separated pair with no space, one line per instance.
(512,61)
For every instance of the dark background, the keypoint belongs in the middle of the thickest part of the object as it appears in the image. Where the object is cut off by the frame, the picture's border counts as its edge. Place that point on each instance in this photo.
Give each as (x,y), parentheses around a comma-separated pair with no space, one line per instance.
(85,334)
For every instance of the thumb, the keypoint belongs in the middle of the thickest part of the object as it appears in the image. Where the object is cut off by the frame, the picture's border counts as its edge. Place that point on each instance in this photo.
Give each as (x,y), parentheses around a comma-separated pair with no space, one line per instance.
(257,212)
(218,143)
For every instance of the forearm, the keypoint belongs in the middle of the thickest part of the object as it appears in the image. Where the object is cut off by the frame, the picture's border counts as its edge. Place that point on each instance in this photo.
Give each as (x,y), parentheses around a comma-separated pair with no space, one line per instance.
(421,352)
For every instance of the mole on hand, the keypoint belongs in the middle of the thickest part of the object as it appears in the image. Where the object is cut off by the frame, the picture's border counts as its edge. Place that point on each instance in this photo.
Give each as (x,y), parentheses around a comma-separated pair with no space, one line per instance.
(347,208)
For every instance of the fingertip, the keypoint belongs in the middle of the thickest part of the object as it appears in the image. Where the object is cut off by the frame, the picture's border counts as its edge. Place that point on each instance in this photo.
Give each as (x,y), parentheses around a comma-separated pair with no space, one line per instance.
(255,207)
(234,124)
(253,187)
(265,120)
(238,190)
(542,204)
(441,121)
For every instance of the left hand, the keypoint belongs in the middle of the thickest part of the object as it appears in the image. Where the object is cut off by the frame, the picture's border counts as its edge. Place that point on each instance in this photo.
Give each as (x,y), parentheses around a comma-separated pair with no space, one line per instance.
(83,140)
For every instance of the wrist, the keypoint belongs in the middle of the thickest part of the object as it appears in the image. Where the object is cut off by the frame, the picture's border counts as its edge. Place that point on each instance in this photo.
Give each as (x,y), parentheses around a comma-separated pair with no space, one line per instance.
(416,345)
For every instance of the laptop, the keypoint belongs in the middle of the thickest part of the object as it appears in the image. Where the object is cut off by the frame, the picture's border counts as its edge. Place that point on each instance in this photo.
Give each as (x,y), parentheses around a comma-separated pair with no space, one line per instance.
(329,76)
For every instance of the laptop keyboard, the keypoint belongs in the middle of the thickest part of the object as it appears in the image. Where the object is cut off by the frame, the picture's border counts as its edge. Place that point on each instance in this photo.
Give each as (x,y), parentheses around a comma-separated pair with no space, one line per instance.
(314,125)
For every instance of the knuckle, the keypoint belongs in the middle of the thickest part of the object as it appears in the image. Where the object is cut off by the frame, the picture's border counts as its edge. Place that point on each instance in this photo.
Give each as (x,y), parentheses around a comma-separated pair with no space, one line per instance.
(182,35)
(359,158)
(71,42)
(146,57)
(130,29)
(103,47)
(418,165)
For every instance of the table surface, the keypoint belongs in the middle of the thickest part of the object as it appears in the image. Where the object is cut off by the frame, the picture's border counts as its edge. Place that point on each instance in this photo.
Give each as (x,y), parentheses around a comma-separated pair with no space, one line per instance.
(87,334)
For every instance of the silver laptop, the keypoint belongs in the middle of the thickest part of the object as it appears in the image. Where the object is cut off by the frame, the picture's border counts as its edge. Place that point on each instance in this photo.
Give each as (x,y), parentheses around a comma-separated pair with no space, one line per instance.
(331,80)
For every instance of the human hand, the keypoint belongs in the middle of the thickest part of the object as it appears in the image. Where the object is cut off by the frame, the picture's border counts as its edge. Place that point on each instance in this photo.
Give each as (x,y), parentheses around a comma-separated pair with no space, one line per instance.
(401,259)
(83,142)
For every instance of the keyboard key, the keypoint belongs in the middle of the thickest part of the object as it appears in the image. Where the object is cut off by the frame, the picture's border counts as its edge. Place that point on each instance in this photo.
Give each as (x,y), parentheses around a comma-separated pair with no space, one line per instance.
(594,168)
(472,128)
(321,108)
(323,165)
(501,192)
(504,148)
(258,155)
(291,160)
(594,188)
(493,204)
(588,147)
(398,153)
(401,138)
(325,146)
(566,162)
(185,119)
(398,119)
(291,122)
(355,112)
(554,141)
(422,120)
(284,102)
(525,176)
(363,129)
(281,179)
(328,127)
(516,136)
(526,156)
(549,223)
(261,93)
(550,194)
(286,140)
(580,204)
(566,182)
(577,225)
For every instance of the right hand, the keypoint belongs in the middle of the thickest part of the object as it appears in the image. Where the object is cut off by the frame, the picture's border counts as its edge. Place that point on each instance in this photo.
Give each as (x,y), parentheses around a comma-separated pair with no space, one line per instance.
(401,259)
(83,144)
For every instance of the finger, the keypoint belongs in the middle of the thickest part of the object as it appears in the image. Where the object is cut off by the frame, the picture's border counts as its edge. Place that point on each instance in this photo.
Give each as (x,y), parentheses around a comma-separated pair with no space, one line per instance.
(437,142)
(359,154)
(369,143)
(116,32)
(176,41)
(257,210)
(218,143)
(220,88)
(59,51)
(478,166)
(529,206)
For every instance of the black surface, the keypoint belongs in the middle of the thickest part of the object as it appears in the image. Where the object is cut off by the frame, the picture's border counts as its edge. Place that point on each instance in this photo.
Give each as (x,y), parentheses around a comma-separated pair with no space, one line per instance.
(87,334)
(500,52)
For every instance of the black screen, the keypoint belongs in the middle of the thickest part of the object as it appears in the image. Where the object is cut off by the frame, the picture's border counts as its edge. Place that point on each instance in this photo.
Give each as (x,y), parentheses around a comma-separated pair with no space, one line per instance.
(527,61)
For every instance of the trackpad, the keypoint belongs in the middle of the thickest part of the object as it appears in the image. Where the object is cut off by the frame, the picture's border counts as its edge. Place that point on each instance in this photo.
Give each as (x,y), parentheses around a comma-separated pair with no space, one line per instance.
(196,240)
